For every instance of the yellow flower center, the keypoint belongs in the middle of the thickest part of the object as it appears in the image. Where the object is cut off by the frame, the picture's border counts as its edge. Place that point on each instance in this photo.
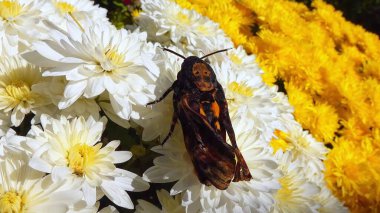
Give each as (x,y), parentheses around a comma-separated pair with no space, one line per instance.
(235,59)
(280,142)
(203,29)
(183,18)
(285,192)
(135,13)
(65,7)
(241,89)
(18,90)
(114,57)
(81,157)
(11,202)
(9,9)
(302,142)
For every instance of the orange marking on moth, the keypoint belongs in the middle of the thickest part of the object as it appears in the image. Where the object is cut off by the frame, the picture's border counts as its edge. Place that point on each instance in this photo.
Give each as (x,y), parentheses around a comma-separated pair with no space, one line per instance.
(215,109)
(202,111)
(217,125)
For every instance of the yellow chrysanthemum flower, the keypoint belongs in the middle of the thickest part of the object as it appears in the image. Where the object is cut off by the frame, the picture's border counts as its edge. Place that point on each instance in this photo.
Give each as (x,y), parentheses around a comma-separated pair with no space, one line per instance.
(353,173)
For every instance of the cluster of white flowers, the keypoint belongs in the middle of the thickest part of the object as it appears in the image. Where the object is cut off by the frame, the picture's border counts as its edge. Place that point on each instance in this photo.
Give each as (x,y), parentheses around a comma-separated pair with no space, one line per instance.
(65,69)
(285,161)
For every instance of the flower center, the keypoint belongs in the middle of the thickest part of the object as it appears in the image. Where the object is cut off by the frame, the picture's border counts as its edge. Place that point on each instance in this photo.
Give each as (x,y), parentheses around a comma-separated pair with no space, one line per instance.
(11,202)
(235,59)
(285,192)
(81,157)
(280,142)
(203,29)
(302,142)
(9,9)
(114,60)
(65,7)
(183,18)
(18,90)
(241,89)
(114,57)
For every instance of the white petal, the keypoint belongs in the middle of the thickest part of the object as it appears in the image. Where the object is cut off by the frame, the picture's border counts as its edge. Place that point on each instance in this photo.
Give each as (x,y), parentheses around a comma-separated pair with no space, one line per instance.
(184,183)
(131,182)
(120,156)
(116,194)
(89,193)
(40,165)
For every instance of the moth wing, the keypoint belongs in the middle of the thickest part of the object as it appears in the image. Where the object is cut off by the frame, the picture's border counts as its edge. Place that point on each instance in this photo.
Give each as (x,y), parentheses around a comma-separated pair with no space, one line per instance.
(242,171)
(213,159)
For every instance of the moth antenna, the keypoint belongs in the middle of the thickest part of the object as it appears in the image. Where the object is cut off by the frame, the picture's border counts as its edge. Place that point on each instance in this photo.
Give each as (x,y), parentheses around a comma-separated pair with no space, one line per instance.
(215,52)
(76,21)
(171,51)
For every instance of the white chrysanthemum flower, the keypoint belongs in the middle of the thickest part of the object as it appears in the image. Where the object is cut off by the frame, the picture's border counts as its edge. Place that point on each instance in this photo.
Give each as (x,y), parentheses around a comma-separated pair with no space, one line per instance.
(10,141)
(23,189)
(249,100)
(69,149)
(54,89)
(169,204)
(17,79)
(303,147)
(254,195)
(181,25)
(100,59)
(19,23)
(81,10)
(297,194)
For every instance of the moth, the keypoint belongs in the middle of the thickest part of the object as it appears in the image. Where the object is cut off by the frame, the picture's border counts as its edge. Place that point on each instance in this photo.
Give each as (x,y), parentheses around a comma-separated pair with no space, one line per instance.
(201,107)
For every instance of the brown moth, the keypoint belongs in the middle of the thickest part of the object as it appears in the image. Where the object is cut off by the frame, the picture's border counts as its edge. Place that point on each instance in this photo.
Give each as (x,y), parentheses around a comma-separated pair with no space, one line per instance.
(200,105)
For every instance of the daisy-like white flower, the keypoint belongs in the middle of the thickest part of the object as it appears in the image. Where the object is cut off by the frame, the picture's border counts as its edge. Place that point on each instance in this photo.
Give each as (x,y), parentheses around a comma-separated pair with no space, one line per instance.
(296,194)
(54,89)
(169,204)
(19,23)
(17,79)
(69,149)
(23,189)
(99,59)
(303,147)
(81,10)
(180,25)
(253,196)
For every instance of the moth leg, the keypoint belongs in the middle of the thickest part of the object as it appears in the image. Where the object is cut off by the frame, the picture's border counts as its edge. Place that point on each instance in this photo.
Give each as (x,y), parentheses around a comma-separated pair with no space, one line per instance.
(172,126)
(166,93)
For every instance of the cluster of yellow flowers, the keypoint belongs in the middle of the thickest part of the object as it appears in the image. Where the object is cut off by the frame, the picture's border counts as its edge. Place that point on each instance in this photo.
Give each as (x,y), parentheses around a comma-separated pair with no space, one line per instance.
(331,74)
